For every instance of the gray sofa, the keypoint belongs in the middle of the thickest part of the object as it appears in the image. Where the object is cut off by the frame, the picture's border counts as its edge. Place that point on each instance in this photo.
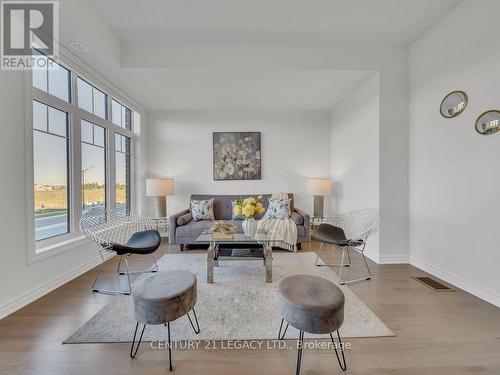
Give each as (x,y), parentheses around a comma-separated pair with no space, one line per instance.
(184,231)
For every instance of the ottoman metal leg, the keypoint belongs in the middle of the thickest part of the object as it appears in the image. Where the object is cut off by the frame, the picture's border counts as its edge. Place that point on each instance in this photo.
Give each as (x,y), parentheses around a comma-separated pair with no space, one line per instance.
(197,329)
(343,364)
(132,352)
(169,347)
(300,345)
(282,336)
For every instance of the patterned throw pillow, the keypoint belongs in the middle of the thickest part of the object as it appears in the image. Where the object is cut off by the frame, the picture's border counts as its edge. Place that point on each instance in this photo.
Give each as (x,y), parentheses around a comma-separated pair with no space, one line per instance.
(279,208)
(234,216)
(202,210)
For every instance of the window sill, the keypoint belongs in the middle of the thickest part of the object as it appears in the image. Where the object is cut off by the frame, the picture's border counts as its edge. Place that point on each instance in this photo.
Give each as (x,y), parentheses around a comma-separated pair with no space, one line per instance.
(49,250)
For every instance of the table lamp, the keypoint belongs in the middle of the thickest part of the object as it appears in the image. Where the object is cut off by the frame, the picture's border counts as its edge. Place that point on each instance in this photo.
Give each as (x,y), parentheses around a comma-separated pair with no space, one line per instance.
(319,187)
(160,188)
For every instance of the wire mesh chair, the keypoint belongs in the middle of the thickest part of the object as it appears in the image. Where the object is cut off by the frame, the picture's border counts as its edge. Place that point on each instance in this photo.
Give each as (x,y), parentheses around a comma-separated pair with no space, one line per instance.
(350,231)
(123,234)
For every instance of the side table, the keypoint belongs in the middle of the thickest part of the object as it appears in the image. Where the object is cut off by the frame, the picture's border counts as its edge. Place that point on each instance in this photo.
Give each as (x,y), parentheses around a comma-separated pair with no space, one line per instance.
(317,220)
(161,225)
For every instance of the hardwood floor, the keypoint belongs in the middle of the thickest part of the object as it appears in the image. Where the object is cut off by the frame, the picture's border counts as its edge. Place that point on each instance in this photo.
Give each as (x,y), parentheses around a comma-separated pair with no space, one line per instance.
(436,333)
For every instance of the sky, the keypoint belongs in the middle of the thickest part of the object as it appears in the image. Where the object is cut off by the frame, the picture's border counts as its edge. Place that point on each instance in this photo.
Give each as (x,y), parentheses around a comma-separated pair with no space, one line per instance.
(50,161)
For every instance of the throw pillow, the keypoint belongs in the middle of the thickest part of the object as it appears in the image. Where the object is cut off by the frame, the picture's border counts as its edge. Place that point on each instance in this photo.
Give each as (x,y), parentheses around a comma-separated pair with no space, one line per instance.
(184,219)
(202,210)
(234,216)
(279,208)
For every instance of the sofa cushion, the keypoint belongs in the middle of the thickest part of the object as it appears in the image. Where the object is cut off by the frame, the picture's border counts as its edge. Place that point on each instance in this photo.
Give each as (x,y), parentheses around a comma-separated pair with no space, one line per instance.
(297,219)
(193,229)
(202,209)
(184,219)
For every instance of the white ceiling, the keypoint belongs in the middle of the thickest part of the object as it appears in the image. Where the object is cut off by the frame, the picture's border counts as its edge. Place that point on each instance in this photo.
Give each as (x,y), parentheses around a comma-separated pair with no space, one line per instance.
(204,89)
(271,20)
(199,54)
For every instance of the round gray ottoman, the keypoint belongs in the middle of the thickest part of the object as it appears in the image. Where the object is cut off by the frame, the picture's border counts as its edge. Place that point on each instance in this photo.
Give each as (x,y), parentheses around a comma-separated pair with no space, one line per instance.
(311,304)
(161,299)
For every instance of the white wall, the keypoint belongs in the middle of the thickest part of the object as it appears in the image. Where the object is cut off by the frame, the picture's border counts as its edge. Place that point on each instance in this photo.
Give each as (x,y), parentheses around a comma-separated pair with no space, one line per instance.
(454,171)
(295,146)
(355,153)
(391,61)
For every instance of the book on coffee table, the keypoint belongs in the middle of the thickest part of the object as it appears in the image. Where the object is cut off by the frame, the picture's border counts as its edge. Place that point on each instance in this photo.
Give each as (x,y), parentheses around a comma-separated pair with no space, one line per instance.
(222,236)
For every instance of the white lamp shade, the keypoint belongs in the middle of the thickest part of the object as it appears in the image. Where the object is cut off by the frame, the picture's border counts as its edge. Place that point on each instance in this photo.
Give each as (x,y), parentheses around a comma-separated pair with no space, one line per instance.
(319,186)
(159,187)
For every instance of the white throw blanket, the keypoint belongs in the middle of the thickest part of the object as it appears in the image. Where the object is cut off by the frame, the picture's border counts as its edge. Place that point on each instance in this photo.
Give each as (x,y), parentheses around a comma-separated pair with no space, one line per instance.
(284,230)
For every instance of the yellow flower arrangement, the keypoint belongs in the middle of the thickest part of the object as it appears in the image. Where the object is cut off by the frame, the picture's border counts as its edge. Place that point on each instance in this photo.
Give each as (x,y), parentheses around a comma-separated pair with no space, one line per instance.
(248,210)
(249,207)
(237,209)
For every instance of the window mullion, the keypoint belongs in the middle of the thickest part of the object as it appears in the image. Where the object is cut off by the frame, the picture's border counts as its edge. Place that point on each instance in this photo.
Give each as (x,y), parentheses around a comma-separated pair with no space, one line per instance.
(77,167)
(76,160)
(132,175)
(111,163)
(51,100)
(93,118)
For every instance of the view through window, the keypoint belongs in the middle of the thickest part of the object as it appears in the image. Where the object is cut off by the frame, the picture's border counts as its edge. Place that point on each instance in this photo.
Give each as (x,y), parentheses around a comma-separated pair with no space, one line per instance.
(50,159)
(93,165)
(122,170)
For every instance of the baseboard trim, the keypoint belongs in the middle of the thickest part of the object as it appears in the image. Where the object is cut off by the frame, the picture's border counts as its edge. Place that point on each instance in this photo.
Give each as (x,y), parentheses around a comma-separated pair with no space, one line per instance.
(32,295)
(387,259)
(455,280)
(394,259)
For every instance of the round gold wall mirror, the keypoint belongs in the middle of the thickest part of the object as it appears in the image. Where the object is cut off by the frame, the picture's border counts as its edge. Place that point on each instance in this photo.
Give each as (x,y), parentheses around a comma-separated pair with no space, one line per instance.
(488,123)
(453,104)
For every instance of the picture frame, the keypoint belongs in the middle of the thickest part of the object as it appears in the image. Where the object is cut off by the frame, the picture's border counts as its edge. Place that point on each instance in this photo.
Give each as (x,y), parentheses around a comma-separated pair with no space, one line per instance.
(237,156)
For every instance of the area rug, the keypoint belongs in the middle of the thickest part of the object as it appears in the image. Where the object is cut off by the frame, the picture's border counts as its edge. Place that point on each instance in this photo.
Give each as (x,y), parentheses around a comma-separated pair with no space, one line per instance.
(240,305)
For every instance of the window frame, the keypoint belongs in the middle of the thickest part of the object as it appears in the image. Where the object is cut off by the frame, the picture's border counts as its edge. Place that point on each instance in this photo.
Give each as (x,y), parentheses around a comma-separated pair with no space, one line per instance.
(38,250)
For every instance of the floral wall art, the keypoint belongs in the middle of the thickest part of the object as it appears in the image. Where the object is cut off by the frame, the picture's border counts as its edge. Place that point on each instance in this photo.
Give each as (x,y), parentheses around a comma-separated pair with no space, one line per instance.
(237,156)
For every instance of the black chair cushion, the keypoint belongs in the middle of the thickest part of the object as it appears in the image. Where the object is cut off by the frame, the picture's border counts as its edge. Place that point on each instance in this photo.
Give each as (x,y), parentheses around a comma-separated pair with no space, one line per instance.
(145,242)
(330,234)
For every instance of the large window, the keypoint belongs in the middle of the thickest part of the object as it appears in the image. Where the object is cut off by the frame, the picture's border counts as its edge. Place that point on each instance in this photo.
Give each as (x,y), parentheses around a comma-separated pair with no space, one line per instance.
(93,165)
(73,123)
(50,163)
(122,172)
